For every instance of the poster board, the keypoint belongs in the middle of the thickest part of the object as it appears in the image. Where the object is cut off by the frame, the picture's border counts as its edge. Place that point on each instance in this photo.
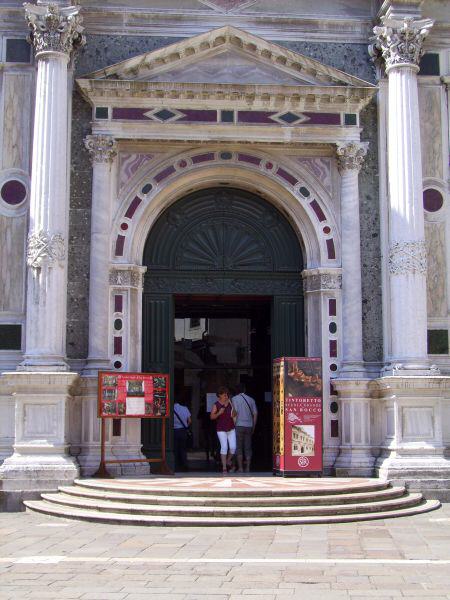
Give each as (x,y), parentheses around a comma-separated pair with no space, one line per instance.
(297,416)
(133,395)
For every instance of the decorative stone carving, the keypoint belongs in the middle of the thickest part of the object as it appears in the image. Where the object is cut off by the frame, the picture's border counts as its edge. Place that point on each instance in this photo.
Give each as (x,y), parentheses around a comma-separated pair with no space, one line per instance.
(102,148)
(401,41)
(408,258)
(45,249)
(122,278)
(351,155)
(322,281)
(54,28)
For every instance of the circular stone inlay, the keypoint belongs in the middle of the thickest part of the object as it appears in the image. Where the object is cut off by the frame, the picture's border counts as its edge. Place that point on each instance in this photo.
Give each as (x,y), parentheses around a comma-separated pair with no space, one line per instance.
(124,226)
(332,327)
(117,364)
(333,367)
(226,155)
(118,324)
(13,192)
(432,200)
(304,192)
(334,407)
(147,188)
(326,230)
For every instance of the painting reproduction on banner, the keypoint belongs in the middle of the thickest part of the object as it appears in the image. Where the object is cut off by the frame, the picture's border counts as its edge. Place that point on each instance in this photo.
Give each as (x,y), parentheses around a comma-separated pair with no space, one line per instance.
(297,415)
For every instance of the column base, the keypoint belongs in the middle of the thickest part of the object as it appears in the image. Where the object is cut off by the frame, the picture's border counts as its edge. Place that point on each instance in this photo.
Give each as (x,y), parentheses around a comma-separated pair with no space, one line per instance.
(94,365)
(410,369)
(353,370)
(41,460)
(44,364)
(355,462)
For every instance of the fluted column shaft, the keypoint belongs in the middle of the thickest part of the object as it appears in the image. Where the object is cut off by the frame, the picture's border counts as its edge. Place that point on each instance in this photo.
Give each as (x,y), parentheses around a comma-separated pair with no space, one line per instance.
(401,43)
(54,33)
(350,160)
(103,151)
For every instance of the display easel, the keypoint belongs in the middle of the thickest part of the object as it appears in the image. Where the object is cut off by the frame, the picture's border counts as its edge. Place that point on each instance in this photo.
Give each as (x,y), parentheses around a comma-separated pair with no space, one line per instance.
(118,394)
(102,471)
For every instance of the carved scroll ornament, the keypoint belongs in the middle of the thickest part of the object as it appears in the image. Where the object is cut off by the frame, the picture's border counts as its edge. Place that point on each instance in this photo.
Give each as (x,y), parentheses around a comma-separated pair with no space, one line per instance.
(54,28)
(400,42)
(102,148)
(408,258)
(45,249)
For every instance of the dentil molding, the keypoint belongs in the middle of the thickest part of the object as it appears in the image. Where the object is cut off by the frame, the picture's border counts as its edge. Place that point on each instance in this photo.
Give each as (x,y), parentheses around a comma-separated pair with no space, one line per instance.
(408,258)
(102,148)
(45,249)
(351,156)
(54,28)
(400,41)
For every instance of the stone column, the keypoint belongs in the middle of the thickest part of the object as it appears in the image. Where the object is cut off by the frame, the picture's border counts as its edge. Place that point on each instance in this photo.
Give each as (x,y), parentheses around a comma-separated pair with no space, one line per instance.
(350,159)
(55,33)
(103,149)
(400,42)
(44,389)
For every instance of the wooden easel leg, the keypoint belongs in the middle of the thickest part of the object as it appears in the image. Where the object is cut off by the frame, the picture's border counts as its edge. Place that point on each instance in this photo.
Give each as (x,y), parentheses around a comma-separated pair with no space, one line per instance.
(102,471)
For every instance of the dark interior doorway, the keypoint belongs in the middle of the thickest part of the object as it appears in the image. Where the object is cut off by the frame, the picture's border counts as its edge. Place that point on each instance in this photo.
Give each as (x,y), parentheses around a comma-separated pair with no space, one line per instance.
(223,340)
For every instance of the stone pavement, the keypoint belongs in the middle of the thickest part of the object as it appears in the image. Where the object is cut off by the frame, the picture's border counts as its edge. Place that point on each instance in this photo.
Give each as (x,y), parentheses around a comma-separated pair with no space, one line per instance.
(46,557)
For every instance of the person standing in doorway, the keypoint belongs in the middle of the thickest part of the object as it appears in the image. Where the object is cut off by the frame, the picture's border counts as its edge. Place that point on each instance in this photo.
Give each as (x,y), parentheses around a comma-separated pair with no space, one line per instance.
(247,415)
(224,414)
(181,423)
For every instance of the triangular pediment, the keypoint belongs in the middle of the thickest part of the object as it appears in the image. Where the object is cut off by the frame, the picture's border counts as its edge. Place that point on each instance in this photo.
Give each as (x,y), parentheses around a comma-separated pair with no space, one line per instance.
(227,55)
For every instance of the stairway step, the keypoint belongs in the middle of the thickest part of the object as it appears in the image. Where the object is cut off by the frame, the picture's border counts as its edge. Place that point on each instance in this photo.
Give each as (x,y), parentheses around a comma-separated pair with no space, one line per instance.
(90,493)
(172,487)
(48,508)
(234,512)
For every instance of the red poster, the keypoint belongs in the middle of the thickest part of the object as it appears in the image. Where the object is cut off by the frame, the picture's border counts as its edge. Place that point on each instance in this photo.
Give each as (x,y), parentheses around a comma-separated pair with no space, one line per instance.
(298,436)
(133,395)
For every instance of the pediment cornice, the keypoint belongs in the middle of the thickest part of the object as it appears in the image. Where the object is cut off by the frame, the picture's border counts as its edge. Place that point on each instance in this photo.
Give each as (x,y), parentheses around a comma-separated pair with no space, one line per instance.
(301,68)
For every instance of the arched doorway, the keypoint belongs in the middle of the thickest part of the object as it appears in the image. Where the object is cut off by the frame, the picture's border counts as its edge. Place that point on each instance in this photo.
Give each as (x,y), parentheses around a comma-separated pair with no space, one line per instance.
(224,264)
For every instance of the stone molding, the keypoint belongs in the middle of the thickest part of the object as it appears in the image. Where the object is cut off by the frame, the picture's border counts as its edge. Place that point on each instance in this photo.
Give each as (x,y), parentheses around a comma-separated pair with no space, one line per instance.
(54,28)
(45,249)
(400,41)
(351,156)
(102,148)
(408,258)
(127,277)
(314,281)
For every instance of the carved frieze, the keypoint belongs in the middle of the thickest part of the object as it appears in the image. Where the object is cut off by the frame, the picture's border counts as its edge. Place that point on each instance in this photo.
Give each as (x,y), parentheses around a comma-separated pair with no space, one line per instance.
(408,258)
(54,28)
(125,278)
(400,42)
(102,148)
(351,155)
(45,249)
(321,281)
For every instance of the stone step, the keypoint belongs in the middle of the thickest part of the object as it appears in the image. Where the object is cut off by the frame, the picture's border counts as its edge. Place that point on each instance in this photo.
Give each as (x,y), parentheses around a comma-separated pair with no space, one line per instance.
(171,487)
(206,500)
(109,506)
(48,508)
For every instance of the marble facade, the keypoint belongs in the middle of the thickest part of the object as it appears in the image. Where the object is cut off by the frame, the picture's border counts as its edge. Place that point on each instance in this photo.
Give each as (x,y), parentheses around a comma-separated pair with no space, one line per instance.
(102,131)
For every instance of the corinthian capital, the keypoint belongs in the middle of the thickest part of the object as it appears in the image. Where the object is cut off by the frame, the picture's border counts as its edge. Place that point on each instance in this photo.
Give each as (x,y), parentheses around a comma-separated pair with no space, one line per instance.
(102,148)
(351,155)
(54,28)
(400,42)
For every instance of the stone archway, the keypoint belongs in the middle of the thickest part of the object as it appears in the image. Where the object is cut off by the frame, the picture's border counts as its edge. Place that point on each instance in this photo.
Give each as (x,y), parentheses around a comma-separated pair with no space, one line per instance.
(221,242)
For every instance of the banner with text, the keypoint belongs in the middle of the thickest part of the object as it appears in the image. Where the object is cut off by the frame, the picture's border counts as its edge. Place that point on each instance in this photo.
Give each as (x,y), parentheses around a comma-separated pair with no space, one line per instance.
(297,415)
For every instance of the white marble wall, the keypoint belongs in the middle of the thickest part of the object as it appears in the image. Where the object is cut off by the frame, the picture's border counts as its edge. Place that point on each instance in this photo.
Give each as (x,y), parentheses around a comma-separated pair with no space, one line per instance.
(16,117)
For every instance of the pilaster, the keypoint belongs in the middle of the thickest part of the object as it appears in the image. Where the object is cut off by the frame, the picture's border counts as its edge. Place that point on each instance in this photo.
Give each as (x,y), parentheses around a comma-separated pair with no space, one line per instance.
(322,290)
(350,160)
(103,150)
